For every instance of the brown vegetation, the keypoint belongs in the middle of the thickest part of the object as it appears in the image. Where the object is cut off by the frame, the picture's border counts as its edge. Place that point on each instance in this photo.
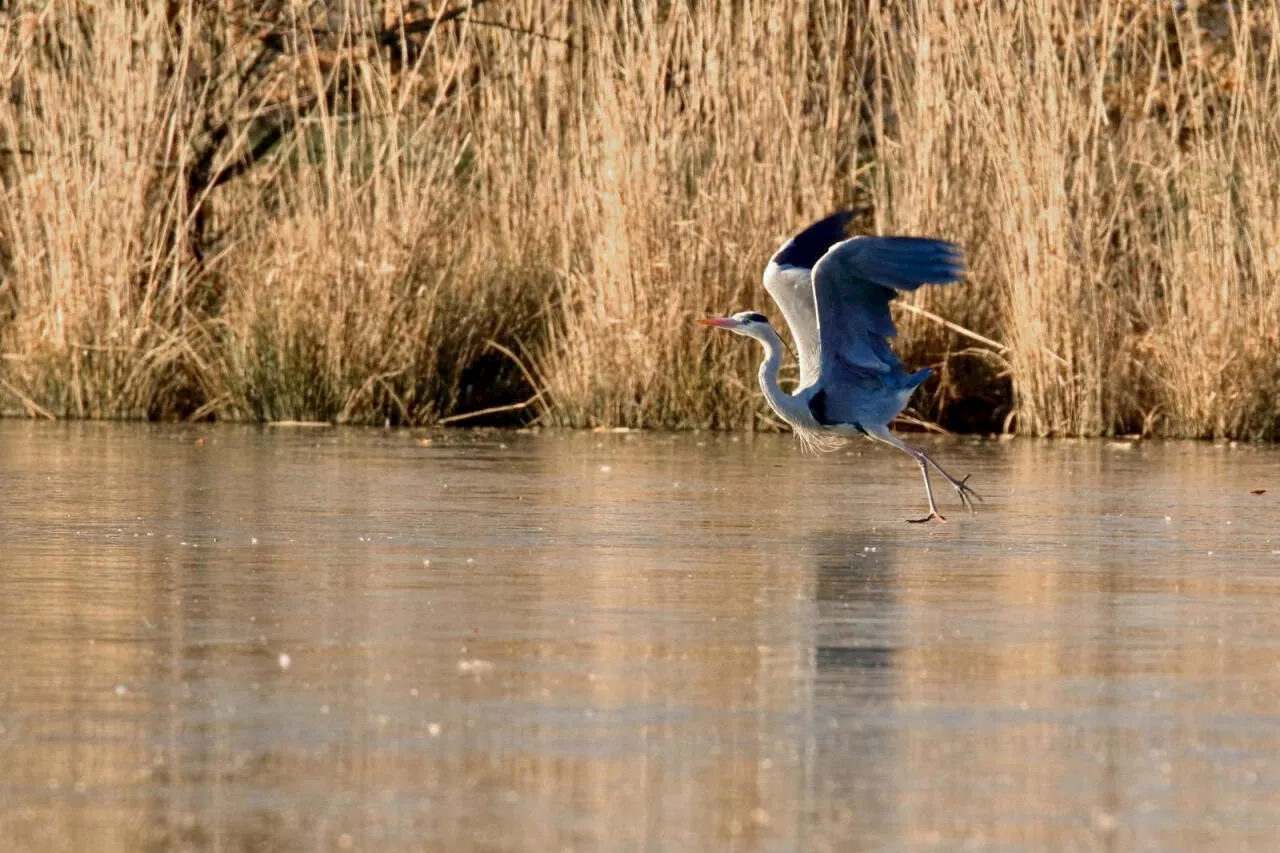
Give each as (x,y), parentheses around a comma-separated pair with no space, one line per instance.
(371,211)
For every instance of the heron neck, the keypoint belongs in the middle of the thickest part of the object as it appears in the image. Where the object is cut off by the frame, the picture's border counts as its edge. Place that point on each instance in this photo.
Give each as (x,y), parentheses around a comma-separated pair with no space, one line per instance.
(791,409)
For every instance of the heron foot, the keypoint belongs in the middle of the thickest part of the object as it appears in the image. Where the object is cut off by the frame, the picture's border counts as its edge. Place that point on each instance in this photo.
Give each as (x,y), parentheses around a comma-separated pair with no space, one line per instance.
(934,514)
(966,494)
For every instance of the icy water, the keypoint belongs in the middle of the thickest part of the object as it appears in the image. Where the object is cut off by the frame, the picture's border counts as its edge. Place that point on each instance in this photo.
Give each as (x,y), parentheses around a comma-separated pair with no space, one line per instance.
(273,639)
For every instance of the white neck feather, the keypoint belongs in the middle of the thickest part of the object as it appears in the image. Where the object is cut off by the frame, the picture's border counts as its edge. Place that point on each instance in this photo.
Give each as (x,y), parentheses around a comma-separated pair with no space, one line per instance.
(792,409)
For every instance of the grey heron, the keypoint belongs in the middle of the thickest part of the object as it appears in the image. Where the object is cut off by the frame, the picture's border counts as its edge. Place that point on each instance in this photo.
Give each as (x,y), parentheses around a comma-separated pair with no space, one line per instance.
(834,294)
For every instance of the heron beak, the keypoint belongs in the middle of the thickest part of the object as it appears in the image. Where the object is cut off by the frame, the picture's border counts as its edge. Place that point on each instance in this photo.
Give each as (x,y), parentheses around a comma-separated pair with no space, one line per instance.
(719,322)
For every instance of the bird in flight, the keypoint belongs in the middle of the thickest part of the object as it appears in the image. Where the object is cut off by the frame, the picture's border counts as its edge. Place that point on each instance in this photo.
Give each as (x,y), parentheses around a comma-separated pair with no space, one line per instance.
(835,293)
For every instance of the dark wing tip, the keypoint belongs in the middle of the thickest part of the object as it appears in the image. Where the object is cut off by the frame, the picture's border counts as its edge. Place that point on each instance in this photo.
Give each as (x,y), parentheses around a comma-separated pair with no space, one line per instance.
(806,248)
(906,263)
(943,264)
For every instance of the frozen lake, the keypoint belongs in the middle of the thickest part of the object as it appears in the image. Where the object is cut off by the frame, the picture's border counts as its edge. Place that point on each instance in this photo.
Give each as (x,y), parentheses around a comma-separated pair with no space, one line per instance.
(239,638)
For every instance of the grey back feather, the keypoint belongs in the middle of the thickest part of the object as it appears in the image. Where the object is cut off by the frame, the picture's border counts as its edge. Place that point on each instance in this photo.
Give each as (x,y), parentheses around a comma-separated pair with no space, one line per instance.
(792,289)
(788,279)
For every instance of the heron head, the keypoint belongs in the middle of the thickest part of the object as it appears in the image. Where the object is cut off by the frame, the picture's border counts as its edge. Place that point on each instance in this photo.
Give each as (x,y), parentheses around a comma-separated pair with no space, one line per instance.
(747,323)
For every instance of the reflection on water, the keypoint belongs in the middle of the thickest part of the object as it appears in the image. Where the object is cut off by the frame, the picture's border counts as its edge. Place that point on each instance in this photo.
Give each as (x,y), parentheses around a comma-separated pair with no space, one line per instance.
(266,639)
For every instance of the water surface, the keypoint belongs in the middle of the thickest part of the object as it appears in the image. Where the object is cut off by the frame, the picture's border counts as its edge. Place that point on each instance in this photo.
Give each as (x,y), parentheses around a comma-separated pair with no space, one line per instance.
(224,638)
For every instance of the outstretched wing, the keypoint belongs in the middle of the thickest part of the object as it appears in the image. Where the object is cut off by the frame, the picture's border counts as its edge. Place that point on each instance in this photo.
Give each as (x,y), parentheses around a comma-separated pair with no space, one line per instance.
(788,278)
(855,281)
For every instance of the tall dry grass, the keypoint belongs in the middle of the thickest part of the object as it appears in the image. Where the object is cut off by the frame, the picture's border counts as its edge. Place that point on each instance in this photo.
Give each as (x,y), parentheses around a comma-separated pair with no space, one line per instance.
(529,202)
(1113,170)
(97,321)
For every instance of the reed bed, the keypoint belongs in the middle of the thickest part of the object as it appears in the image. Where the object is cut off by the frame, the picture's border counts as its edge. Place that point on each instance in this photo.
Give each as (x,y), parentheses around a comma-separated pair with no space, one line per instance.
(396,212)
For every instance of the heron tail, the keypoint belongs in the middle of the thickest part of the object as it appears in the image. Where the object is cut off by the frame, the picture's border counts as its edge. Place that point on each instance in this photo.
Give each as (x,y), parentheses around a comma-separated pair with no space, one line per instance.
(910,383)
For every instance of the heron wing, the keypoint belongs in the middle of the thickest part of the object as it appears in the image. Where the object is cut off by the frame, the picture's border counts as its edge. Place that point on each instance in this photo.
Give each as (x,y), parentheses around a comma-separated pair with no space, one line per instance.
(855,281)
(788,279)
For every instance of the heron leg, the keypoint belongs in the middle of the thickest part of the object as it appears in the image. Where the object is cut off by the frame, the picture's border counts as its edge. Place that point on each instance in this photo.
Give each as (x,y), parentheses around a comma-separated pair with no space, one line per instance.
(967,495)
(928,490)
(924,460)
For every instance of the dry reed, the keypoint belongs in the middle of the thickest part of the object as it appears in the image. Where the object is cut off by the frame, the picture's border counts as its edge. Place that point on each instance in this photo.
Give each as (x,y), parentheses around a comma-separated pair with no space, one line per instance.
(333,216)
